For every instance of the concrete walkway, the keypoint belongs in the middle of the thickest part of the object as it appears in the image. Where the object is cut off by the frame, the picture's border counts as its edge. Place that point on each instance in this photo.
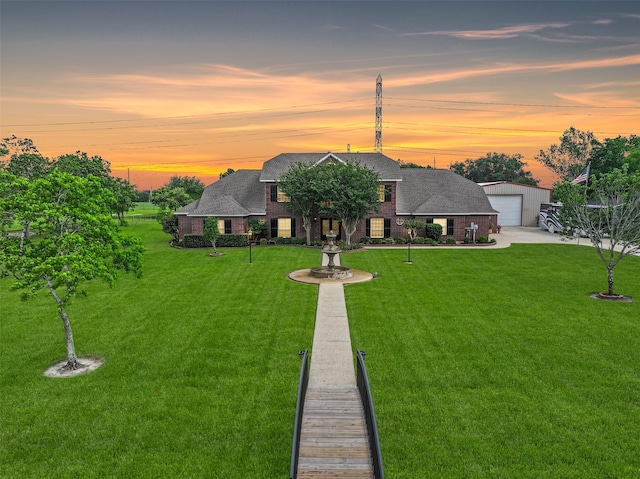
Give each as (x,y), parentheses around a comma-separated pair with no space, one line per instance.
(334,441)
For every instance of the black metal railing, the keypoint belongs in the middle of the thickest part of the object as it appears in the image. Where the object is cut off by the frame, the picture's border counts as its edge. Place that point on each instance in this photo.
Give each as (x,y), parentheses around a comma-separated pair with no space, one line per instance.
(369,414)
(297,428)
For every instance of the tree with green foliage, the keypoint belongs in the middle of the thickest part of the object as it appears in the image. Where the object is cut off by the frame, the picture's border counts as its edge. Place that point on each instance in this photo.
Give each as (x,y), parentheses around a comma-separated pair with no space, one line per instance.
(191,185)
(300,184)
(227,173)
(495,167)
(568,158)
(15,146)
(611,219)
(258,228)
(412,227)
(82,165)
(409,164)
(347,191)
(613,153)
(124,197)
(211,232)
(169,200)
(77,240)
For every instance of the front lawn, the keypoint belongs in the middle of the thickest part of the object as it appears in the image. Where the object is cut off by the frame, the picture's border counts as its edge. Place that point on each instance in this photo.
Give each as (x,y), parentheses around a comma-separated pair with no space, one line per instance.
(483,363)
(200,378)
(497,363)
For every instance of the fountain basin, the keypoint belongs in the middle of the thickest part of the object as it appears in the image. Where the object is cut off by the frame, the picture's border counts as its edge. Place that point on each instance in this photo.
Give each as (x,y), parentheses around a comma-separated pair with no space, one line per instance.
(333,272)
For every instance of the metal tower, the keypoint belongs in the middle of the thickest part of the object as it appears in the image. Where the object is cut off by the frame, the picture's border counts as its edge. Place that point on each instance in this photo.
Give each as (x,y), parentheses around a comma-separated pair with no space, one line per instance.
(378,147)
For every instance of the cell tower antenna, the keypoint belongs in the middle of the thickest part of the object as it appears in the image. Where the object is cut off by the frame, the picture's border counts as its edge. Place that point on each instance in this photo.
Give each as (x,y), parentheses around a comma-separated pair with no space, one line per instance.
(378,147)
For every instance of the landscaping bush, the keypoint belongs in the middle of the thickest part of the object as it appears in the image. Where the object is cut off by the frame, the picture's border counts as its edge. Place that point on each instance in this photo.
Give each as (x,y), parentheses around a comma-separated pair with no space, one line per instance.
(401,240)
(228,241)
(263,241)
(430,241)
(419,240)
(467,241)
(347,247)
(433,231)
(389,241)
(194,241)
(483,239)
(279,240)
(365,240)
(450,241)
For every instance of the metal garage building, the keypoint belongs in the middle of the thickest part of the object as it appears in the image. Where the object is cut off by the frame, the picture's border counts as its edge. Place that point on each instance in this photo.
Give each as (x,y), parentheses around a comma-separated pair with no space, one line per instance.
(518,205)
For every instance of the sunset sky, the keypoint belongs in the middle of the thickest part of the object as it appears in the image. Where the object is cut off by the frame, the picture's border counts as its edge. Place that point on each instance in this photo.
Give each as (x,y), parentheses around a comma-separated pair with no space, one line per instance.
(194,88)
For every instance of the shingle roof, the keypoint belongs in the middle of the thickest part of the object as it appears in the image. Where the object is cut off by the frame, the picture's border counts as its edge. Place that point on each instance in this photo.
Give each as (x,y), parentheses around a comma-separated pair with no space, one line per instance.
(237,194)
(434,192)
(388,169)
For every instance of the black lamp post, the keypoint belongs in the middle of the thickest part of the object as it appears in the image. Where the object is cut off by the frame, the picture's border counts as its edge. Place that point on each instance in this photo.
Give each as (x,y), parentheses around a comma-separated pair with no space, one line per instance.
(400,222)
(250,233)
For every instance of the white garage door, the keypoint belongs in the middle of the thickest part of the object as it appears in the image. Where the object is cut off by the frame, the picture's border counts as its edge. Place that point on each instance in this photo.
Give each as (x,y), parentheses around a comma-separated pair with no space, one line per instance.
(509,209)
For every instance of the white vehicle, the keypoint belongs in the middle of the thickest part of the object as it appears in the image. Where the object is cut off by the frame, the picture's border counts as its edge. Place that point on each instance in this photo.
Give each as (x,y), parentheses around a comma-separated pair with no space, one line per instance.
(548,219)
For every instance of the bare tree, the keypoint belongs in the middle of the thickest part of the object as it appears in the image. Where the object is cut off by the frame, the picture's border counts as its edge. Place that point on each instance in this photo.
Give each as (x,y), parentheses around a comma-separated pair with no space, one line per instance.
(611,220)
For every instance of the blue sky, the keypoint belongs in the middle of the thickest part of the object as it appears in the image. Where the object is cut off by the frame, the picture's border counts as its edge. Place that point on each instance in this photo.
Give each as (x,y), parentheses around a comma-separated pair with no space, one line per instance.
(163,88)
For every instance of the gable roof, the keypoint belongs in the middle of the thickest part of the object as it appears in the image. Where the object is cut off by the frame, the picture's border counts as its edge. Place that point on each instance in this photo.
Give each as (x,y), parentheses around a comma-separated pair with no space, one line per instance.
(387,169)
(439,192)
(237,194)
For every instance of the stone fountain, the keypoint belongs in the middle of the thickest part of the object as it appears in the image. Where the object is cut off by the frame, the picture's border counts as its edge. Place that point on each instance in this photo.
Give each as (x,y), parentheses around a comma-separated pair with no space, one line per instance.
(331,271)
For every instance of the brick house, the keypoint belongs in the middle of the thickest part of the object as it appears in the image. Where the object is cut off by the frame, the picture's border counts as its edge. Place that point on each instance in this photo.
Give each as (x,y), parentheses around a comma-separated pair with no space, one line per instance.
(429,195)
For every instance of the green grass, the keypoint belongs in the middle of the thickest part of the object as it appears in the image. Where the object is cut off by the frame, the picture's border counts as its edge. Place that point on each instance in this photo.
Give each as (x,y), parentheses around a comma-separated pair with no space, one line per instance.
(200,378)
(143,208)
(483,363)
(497,363)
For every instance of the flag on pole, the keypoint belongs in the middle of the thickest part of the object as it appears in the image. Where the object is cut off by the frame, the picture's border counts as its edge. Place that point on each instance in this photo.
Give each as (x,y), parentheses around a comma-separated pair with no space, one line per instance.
(582,177)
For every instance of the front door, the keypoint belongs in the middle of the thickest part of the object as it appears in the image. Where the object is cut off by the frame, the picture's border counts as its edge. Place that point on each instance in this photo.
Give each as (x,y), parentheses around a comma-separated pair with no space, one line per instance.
(329,224)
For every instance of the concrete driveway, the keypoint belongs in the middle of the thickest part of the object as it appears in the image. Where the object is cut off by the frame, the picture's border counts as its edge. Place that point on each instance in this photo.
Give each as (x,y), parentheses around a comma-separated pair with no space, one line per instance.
(521,234)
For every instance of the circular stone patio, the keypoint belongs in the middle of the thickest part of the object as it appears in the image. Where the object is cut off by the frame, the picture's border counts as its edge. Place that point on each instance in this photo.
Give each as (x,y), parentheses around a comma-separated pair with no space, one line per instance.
(302,276)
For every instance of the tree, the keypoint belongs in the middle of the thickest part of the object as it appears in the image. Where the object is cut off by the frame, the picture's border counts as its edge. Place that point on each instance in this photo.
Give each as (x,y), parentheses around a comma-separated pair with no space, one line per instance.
(169,199)
(15,146)
(211,232)
(299,183)
(28,165)
(402,164)
(258,228)
(495,167)
(191,185)
(569,157)
(227,173)
(611,219)
(82,165)
(124,196)
(348,192)
(412,227)
(77,241)
(613,153)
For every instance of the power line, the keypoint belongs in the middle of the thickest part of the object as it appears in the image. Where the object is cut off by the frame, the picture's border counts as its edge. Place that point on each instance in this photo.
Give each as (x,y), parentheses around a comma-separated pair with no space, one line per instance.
(535,105)
(222,113)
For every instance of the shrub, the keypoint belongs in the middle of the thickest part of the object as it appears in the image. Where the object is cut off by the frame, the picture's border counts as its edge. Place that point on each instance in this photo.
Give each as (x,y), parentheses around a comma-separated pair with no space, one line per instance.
(431,241)
(228,241)
(401,240)
(483,239)
(419,240)
(389,241)
(365,240)
(433,231)
(194,241)
(466,240)
(451,241)
(263,241)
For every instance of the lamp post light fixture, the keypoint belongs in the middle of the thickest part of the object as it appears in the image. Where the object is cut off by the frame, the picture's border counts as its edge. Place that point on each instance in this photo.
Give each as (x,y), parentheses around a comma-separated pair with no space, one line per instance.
(400,222)
(250,233)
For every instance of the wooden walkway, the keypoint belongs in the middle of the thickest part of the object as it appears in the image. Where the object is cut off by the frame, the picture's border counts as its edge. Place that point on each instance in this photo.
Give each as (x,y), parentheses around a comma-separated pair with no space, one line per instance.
(334,442)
